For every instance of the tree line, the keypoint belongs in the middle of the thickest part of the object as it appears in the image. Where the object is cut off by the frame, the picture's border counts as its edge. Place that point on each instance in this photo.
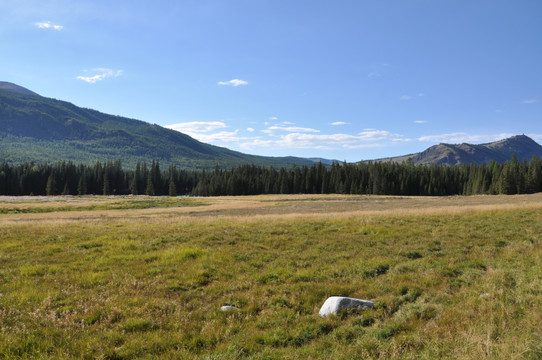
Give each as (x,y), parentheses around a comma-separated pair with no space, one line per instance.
(379,178)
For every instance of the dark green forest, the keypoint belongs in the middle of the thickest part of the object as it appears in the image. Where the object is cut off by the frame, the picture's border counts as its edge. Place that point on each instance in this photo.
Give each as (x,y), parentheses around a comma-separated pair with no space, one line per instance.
(378,178)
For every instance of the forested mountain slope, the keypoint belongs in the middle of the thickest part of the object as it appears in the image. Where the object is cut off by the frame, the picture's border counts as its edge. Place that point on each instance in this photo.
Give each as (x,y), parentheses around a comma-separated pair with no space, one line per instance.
(40,129)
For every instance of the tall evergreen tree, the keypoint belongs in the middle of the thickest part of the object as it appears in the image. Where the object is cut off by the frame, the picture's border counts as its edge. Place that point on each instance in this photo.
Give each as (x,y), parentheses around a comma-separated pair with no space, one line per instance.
(51,185)
(149,190)
(106,183)
(534,175)
(82,184)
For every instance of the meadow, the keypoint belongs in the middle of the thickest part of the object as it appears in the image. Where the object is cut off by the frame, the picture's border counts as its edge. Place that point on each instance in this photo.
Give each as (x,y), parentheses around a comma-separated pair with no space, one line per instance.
(145,277)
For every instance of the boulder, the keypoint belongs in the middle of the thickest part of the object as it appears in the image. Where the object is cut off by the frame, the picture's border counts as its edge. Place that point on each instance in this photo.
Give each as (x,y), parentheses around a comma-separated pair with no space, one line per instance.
(334,304)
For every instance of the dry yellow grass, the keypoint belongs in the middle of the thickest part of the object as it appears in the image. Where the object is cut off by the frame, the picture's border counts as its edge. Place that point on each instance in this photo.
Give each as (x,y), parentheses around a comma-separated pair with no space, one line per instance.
(261,207)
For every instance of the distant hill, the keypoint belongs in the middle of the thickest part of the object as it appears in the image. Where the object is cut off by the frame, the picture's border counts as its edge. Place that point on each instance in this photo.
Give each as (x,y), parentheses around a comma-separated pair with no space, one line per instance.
(40,129)
(522,146)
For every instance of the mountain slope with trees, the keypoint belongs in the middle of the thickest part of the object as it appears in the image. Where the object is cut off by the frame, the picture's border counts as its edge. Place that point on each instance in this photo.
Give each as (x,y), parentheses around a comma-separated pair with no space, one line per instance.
(39,129)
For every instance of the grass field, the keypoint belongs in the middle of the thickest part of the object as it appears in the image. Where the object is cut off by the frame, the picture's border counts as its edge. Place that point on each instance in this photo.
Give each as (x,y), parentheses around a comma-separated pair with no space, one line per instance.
(140,277)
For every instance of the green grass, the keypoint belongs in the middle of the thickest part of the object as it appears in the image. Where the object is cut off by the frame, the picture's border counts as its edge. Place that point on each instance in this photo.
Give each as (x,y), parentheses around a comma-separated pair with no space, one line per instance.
(457,286)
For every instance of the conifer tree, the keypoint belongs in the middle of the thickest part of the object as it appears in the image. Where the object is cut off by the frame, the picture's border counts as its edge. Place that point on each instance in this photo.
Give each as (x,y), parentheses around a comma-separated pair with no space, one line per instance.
(149,190)
(50,188)
(106,186)
(172,187)
(82,185)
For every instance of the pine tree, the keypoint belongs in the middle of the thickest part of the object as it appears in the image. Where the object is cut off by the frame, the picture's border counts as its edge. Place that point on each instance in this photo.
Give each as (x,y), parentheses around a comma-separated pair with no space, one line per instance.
(507,183)
(50,188)
(134,185)
(172,187)
(149,190)
(534,175)
(82,185)
(106,188)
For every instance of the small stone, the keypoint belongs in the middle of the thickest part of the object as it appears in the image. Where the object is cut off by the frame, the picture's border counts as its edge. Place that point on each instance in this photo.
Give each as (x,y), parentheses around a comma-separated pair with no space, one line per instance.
(228,308)
(334,304)
(485,295)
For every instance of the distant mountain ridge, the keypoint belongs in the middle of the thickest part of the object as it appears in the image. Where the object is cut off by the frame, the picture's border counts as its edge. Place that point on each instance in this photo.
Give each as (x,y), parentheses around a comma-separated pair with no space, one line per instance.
(39,129)
(4,85)
(521,145)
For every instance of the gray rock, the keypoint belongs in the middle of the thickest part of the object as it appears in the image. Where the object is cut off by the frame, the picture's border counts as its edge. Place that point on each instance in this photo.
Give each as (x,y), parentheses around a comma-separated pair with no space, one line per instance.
(334,304)
(228,308)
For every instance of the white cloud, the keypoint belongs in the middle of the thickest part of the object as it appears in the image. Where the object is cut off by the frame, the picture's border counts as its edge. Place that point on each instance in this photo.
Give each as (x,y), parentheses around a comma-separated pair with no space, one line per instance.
(420,121)
(99,75)
(375,135)
(273,118)
(530,101)
(197,126)
(286,137)
(203,131)
(233,82)
(405,97)
(366,139)
(291,129)
(461,137)
(223,136)
(337,123)
(48,25)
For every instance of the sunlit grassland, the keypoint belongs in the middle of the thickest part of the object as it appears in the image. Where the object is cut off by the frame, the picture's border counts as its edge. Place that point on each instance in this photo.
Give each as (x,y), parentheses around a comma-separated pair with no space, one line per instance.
(451,278)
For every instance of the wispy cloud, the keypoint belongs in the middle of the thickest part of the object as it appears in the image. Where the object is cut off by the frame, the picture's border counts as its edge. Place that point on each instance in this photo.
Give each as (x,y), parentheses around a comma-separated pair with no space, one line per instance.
(99,74)
(462,137)
(204,131)
(290,129)
(368,138)
(286,137)
(48,25)
(221,136)
(197,126)
(233,82)
(530,101)
(338,123)
(420,121)
(405,97)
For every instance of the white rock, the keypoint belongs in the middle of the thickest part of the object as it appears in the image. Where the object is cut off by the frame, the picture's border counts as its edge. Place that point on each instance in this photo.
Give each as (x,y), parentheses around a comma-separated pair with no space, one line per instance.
(334,304)
(228,308)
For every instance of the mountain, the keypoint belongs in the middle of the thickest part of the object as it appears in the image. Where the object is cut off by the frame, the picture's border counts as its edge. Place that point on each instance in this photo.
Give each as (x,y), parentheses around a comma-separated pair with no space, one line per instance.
(4,85)
(522,146)
(40,129)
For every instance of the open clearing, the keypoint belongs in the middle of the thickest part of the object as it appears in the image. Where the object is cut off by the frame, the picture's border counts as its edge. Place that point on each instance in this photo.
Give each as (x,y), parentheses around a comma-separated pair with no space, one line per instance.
(142,277)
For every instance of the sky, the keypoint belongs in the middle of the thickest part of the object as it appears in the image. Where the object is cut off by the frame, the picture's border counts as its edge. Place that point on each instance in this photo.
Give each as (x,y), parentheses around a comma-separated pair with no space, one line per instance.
(345,79)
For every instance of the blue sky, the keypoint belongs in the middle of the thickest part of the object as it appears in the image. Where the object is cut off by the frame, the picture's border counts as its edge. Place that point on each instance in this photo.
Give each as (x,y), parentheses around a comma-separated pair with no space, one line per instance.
(343,79)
